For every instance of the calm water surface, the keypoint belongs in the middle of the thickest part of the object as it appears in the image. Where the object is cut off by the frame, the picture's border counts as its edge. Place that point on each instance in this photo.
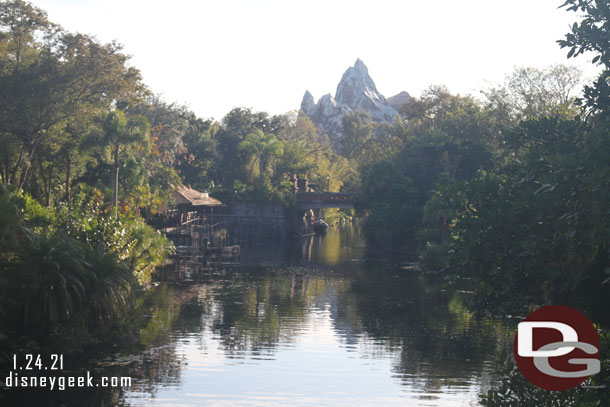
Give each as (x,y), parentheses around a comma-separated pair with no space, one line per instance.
(308,321)
(319,324)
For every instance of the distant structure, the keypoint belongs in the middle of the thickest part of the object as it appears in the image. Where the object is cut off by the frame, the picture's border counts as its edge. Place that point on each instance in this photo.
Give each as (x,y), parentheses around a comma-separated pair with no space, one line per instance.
(356,91)
(201,242)
(190,203)
(309,198)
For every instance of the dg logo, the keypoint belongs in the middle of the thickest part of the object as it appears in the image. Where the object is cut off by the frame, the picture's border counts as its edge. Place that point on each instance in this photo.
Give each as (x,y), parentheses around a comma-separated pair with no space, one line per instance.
(556,348)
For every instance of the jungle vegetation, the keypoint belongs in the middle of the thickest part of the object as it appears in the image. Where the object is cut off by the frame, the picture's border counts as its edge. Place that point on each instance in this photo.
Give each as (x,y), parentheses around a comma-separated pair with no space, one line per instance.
(507,189)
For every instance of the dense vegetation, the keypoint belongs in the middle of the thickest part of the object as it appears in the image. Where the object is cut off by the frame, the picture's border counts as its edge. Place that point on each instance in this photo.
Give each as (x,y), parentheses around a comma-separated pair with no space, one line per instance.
(509,191)
(88,160)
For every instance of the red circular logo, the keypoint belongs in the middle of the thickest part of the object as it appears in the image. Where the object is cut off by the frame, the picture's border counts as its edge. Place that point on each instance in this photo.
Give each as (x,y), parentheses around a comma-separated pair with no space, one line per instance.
(556,348)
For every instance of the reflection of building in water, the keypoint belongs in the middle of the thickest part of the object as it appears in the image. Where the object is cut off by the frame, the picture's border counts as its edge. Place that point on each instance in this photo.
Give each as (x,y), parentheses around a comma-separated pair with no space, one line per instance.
(200,238)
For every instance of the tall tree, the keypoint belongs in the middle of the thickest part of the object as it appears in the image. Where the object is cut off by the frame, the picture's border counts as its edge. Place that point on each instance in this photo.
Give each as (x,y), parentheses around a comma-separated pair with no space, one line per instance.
(532,92)
(121,131)
(262,148)
(592,34)
(357,135)
(47,76)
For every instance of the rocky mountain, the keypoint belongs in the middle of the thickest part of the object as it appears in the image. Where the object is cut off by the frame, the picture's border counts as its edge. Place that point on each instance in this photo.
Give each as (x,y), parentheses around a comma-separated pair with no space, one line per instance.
(398,100)
(356,91)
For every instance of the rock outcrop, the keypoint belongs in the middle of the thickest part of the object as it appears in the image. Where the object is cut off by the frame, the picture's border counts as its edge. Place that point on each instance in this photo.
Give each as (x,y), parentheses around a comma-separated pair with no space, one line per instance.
(397,101)
(356,91)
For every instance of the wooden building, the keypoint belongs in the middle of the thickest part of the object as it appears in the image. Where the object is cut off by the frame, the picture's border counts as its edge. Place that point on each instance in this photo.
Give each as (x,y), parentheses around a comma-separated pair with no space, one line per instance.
(191,204)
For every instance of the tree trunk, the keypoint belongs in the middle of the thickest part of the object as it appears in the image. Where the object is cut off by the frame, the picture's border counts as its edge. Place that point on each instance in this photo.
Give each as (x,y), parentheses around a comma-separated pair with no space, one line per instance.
(261,168)
(68,176)
(5,168)
(46,177)
(116,181)
(24,183)
(13,176)
(49,189)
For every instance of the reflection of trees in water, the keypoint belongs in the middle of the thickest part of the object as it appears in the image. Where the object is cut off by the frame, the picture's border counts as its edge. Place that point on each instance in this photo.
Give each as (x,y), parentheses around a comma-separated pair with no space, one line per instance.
(106,397)
(439,342)
(169,314)
(437,336)
(339,245)
(257,311)
(157,364)
(436,340)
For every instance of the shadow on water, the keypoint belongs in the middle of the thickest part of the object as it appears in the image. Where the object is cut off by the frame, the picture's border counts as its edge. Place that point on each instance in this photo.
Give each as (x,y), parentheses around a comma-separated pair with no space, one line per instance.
(313,321)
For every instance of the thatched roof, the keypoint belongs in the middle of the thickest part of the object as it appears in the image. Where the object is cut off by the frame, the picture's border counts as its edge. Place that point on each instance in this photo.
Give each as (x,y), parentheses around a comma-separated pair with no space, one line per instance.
(189,196)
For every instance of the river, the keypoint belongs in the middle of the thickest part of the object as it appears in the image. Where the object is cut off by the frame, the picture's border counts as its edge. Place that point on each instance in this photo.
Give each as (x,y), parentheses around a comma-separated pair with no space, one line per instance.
(312,321)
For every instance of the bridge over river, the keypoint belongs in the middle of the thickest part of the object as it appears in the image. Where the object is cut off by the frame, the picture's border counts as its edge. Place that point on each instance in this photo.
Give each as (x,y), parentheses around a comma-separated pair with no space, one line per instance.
(319,200)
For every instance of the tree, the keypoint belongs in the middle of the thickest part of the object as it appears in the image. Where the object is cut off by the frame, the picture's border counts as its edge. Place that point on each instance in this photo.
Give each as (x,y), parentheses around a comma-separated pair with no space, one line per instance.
(444,138)
(531,92)
(106,285)
(47,77)
(197,166)
(235,126)
(262,148)
(121,131)
(592,34)
(168,124)
(536,229)
(357,135)
(48,282)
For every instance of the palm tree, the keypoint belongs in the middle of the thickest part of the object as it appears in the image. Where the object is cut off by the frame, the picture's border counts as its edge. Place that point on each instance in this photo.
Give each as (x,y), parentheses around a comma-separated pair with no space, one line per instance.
(148,250)
(48,282)
(122,131)
(262,147)
(108,285)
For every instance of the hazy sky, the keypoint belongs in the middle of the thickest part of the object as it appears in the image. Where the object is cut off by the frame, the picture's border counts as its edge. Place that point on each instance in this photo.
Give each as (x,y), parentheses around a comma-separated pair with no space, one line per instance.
(264,54)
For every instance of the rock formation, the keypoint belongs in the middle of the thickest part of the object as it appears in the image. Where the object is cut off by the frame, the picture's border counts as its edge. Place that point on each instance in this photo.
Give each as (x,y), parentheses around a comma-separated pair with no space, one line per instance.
(356,91)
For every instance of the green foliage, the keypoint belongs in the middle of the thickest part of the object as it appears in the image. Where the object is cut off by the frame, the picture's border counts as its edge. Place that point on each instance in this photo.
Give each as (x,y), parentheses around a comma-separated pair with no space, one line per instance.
(357,135)
(77,271)
(592,34)
(261,148)
(253,157)
(537,226)
(88,220)
(196,165)
(446,138)
(531,92)
(147,249)
(107,285)
(10,221)
(393,201)
(516,391)
(48,79)
(540,221)
(47,282)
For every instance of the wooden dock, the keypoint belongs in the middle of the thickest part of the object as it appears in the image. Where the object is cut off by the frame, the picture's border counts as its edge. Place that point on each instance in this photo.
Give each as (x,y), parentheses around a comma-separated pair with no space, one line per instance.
(201,247)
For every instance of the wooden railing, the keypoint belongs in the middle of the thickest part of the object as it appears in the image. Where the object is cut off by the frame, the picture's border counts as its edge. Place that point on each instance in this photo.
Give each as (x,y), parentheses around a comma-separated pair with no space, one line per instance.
(323,197)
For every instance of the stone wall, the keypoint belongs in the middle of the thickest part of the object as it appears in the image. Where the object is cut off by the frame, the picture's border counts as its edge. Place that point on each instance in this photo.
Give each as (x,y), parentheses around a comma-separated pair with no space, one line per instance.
(253,224)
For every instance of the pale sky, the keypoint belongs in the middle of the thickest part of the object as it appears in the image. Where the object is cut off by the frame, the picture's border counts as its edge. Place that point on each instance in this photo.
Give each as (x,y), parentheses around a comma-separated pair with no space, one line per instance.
(264,54)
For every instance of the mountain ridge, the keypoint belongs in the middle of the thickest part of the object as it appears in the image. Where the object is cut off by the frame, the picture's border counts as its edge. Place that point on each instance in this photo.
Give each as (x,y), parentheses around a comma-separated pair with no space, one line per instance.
(356,91)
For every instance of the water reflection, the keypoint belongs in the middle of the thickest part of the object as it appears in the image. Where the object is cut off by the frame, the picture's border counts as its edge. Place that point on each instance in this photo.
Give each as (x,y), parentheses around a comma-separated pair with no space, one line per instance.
(358,335)
(339,246)
(323,326)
